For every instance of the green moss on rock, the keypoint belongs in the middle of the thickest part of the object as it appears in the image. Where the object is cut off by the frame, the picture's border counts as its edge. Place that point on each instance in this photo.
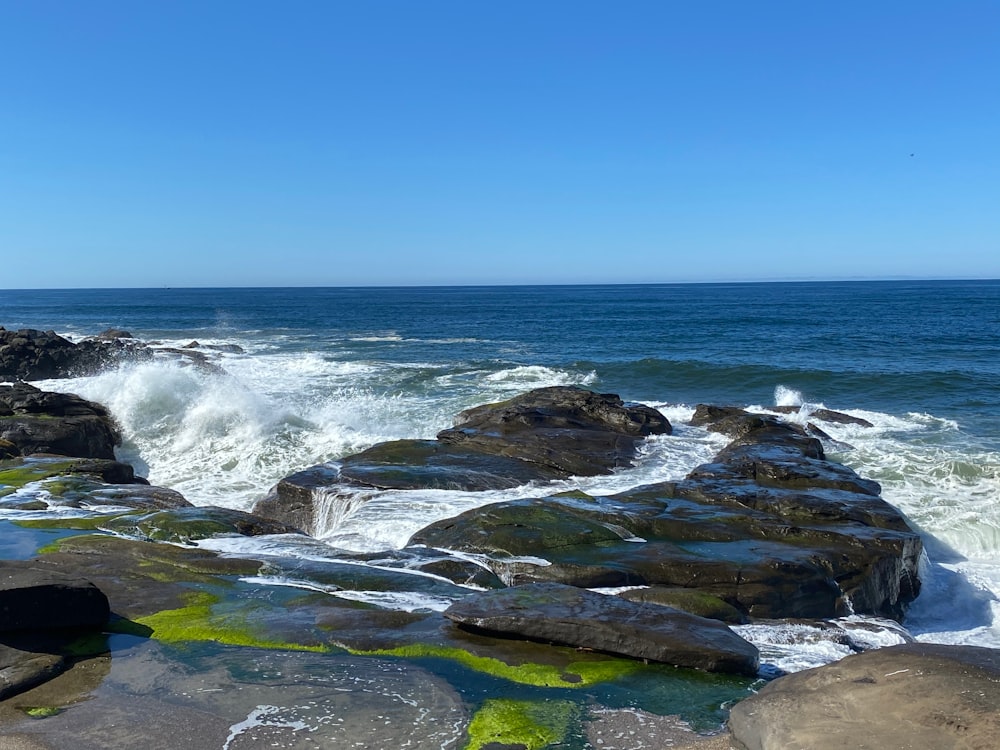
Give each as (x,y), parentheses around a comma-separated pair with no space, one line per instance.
(529,724)
(576,674)
(198,622)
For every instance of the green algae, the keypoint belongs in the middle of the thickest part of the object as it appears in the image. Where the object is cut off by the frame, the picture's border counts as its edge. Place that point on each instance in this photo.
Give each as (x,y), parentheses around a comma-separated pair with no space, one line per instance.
(76,523)
(577,674)
(42,712)
(33,470)
(198,622)
(530,724)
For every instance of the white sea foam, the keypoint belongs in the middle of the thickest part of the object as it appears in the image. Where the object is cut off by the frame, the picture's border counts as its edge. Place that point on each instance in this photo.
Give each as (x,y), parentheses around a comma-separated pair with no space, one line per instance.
(536,376)
(785,396)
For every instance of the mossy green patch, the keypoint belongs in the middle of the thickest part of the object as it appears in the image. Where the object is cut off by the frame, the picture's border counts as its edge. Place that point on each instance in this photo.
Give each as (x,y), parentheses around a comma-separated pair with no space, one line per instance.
(531,724)
(26,471)
(42,712)
(198,622)
(78,523)
(576,674)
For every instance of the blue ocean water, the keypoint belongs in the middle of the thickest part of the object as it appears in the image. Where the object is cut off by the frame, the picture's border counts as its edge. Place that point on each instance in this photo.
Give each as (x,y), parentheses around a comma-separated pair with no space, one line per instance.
(328,371)
(892,346)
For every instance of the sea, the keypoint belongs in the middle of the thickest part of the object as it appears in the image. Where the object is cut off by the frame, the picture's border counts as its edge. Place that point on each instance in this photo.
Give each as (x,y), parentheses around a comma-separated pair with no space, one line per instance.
(309,375)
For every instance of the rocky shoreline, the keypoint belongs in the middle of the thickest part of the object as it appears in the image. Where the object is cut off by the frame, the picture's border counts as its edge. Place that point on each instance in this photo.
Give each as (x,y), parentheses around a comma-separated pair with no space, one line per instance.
(769,529)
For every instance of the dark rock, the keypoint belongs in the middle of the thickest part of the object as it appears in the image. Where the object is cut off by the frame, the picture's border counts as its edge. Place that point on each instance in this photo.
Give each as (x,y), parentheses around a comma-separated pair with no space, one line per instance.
(38,421)
(22,670)
(568,429)
(32,598)
(428,464)
(577,617)
(546,434)
(293,499)
(113,333)
(29,354)
(769,527)
(687,600)
(37,467)
(914,695)
(138,496)
(188,524)
(824,415)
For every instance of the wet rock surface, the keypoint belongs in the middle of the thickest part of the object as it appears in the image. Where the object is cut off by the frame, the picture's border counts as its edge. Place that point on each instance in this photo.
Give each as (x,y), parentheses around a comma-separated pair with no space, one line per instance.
(30,354)
(576,617)
(770,527)
(37,421)
(908,696)
(546,434)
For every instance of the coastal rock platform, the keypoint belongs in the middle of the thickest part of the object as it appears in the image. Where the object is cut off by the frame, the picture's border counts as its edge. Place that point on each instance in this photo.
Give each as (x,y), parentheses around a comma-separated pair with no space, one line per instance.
(910,696)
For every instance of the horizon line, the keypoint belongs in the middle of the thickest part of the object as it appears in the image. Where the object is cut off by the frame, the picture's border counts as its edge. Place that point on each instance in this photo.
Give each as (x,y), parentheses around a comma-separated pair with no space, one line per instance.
(839,280)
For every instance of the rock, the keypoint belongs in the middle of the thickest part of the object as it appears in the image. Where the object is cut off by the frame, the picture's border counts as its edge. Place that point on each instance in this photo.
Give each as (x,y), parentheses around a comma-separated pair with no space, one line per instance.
(687,600)
(292,500)
(138,496)
(540,436)
(22,670)
(39,467)
(577,617)
(568,429)
(113,333)
(38,421)
(34,355)
(188,524)
(824,415)
(915,695)
(29,354)
(32,598)
(769,527)
(8,450)
(429,464)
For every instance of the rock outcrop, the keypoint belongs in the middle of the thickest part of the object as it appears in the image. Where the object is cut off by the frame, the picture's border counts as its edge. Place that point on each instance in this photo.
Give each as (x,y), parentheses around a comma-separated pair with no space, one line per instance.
(545,434)
(911,696)
(29,354)
(770,527)
(37,421)
(570,616)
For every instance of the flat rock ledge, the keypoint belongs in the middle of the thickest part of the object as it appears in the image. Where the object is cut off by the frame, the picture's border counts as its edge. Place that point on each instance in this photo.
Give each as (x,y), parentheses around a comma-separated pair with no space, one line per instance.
(915,695)
(570,616)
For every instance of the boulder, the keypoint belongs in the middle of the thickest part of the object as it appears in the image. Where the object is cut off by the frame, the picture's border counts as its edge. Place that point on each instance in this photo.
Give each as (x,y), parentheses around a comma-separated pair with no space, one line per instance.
(33,598)
(576,617)
(568,429)
(915,695)
(38,421)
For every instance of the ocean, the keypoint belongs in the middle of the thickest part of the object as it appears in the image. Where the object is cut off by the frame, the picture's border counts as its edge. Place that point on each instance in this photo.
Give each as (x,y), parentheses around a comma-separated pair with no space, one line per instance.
(324,372)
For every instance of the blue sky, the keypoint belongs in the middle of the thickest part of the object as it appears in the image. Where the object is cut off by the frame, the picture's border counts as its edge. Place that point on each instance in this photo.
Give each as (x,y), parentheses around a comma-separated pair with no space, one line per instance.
(429,142)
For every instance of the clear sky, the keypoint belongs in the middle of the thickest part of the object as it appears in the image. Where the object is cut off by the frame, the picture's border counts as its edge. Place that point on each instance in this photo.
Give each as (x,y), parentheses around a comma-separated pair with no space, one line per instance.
(328,142)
